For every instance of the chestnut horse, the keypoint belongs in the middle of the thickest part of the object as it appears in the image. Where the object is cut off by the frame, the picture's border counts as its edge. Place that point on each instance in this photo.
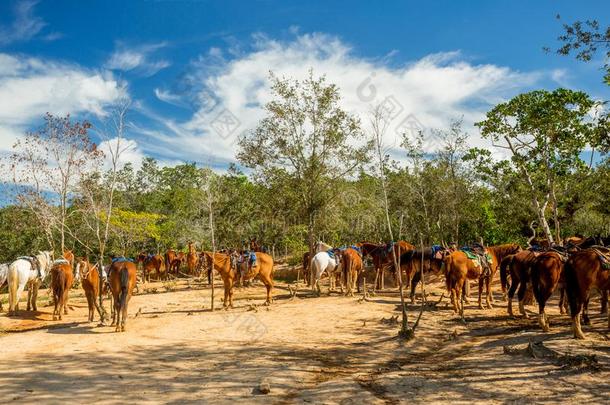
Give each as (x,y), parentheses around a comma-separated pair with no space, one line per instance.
(518,266)
(352,267)
(169,256)
(69,256)
(499,252)
(192,259)
(150,264)
(179,259)
(381,254)
(61,282)
(90,280)
(122,276)
(223,264)
(458,269)
(584,270)
(546,273)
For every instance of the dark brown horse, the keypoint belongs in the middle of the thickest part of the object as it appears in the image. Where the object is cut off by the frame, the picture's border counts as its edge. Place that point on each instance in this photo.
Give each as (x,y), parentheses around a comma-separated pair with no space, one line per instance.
(90,280)
(306,263)
(518,267)
(546,274)
(122,276)
(411,264)
(61,282)
(585,270)
(382,257)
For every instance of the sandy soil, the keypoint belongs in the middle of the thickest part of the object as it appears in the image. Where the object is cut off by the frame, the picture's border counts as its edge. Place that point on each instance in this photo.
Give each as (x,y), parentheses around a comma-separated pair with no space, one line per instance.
(331,349)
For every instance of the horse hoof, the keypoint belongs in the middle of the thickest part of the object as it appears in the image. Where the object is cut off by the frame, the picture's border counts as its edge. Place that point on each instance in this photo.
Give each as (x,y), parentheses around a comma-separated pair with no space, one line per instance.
(54,318)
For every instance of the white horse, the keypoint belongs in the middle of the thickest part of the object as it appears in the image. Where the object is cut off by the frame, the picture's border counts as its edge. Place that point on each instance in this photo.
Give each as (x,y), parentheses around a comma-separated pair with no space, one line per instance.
(21,274)
(3,276)
(322,247)
(323,262)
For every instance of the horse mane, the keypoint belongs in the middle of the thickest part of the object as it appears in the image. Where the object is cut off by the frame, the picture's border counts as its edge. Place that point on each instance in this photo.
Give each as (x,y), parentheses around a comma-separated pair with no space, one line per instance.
(502,250)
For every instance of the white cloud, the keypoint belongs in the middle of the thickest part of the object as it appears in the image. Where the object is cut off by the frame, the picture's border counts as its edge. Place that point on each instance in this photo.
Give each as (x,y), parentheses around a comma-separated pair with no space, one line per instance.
(137,59)
(31,87)
(434,90)
(25,26)
(168,97)
(129,152)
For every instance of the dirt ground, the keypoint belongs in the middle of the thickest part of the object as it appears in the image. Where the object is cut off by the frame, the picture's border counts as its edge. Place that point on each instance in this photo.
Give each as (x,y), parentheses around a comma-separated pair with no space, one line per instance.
(332,350)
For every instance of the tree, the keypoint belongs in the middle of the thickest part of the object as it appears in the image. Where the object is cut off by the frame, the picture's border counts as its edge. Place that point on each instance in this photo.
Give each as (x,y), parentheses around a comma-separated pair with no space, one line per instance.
(585,39)
(49,163)
(307,142)
(545,133)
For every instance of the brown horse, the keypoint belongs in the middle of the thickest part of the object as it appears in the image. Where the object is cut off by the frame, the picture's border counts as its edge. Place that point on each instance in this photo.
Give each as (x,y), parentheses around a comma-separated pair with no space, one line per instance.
(69,256)
(458,269)
(169,257)
(499,252)
(352,268)
(546,273)
(411,264)
(585,270)
(61,282)
(90,280)
(223,264)
(192,259)
(518,267)
(179,259)
(205,264)
(151,264)
(122,276)
(382,256)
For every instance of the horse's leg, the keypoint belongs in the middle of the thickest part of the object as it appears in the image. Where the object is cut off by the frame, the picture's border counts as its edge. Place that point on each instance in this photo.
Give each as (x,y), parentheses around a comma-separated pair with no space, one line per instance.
(65,299)
(511,294)
(117,311)
(604,301)
(585,311)
(29,301)
(466,291)
(480,292)
(34,287)
(521,297)
(489,294)
(575,310)
(414,281)
(124,314)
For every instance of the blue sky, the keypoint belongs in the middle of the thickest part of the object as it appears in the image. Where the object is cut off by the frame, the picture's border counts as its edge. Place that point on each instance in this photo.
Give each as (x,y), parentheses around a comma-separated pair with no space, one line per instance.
(197,70)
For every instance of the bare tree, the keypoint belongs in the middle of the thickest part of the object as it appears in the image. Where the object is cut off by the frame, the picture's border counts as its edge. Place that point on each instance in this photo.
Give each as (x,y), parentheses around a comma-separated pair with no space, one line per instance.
(48,164)
(379,124)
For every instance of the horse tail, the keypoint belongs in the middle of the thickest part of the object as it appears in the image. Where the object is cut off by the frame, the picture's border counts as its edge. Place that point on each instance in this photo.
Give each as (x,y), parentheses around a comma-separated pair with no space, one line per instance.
(58,284)
(446,269)
(124,274)
(504,266)
(571,285)
(12,279)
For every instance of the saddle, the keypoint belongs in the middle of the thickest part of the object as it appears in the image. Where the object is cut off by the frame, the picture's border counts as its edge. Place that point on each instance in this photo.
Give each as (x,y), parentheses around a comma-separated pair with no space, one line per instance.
(121,259)
(479,255)
(34,263)
(436,252)
(603,254)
